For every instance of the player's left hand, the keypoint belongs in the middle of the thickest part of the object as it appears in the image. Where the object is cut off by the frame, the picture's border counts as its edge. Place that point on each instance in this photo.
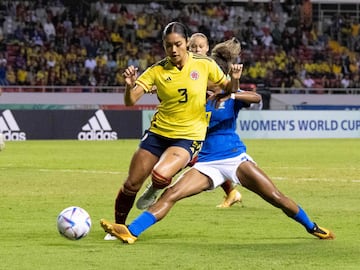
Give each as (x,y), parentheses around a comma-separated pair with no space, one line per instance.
(235,71)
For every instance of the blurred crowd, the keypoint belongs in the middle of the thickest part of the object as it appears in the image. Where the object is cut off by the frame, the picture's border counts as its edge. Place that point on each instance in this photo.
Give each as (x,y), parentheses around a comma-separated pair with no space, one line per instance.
(44,42)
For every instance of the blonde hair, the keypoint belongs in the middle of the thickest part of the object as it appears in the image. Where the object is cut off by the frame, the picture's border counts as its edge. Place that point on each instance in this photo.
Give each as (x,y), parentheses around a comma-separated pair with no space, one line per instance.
(198,43)
(201,35)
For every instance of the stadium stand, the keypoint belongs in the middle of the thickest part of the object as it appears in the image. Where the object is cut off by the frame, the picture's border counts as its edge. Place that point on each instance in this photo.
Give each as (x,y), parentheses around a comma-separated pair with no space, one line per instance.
(54,46)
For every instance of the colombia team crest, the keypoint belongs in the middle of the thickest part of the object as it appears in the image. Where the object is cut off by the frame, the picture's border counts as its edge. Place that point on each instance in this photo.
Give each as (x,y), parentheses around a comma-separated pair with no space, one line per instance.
(194,75)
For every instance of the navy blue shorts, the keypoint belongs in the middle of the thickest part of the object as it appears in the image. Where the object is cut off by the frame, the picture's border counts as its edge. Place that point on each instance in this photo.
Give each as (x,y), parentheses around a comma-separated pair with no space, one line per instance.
(157,144)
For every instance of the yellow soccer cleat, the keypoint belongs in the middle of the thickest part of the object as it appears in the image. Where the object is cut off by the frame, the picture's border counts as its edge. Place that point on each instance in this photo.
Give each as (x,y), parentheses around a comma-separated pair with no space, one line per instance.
(120,231)
(322,233)
(233,197)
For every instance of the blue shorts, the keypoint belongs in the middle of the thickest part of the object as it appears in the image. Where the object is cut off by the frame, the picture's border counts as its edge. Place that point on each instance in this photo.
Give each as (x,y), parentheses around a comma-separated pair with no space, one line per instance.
(157,144)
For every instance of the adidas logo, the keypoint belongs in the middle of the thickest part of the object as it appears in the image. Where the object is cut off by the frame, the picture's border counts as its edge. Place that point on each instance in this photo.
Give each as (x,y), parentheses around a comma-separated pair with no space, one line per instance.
(97,128)
(9,127)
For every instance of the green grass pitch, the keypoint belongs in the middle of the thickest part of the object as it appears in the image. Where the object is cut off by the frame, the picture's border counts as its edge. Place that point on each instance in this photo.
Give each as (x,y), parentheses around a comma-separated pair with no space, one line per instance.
(40,178)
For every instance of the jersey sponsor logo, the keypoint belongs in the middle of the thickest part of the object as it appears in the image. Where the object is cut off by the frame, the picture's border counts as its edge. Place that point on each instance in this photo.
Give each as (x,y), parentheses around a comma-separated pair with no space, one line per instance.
(221,105)
(9,127)
(97,128)
(168,79)
(194,75)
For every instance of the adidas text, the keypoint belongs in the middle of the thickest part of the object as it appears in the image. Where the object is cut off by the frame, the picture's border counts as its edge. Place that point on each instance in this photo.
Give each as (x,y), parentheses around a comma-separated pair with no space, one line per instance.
(14,136)
(97,135)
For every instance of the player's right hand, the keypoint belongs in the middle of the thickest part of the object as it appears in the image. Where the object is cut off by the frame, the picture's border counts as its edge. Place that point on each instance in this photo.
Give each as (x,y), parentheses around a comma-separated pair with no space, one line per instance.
(130,74)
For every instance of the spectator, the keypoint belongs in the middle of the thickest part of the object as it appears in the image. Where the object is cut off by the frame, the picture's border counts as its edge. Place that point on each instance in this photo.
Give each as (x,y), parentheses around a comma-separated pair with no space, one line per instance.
(133,61)
(143,61)
(84,79)
(130,28)
(90,63)
(276,35)
(92,79)
(101,10)
(63,75)
(30,77)
(22,74)
(52,79)
(101,59)
(306,15)
(3,60)
(10,75)
(41,78)
(287,40)
(355,33)
(51,62)
(308,82)
(296,85)
(248,30)
(3,73)
(121,60)
(346,82)
(49,30)
(38,36)
(345,65)
(111,63)
(267,40)
(68,26)
(336,68)
(345,31)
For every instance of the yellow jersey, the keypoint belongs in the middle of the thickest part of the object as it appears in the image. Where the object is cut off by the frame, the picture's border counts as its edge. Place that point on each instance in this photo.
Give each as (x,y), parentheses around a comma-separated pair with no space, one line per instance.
(181,113)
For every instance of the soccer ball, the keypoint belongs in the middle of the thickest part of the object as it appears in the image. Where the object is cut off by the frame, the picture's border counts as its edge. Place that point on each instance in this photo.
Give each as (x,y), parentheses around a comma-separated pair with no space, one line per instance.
(74,223)
(2,141)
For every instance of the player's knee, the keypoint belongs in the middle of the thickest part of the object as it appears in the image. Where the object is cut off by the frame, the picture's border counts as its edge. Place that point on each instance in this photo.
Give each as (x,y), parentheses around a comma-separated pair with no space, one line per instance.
(173,194)
(130,187)
(159,181)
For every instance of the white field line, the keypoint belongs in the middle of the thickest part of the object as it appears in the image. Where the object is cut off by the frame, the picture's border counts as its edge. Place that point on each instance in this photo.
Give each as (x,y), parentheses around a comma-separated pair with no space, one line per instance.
(63,170)
(78,171)
(279,178)
(308,168)
(309,179)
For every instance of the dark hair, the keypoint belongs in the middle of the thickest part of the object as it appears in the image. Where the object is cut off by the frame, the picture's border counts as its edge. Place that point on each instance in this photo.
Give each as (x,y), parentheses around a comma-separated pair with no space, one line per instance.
(175,27)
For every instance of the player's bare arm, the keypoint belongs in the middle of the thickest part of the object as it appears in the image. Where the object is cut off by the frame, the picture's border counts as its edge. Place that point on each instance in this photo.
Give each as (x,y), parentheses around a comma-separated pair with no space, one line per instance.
(245,96)
(235,74)
(133,92)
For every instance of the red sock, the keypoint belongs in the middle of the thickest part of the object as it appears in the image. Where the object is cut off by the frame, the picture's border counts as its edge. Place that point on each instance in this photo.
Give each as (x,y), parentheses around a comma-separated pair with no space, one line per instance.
(123,204)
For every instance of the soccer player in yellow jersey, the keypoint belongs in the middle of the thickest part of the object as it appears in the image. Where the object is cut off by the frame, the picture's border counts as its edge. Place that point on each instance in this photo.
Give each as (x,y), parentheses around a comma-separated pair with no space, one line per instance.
(179,125)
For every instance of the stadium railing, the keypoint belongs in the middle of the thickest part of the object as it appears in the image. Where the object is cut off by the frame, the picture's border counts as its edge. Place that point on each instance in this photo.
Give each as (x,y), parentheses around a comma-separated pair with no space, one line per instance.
(120,89)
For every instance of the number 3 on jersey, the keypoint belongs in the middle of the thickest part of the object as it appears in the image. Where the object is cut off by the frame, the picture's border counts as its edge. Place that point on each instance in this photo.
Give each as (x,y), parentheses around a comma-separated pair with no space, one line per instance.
(183,93)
